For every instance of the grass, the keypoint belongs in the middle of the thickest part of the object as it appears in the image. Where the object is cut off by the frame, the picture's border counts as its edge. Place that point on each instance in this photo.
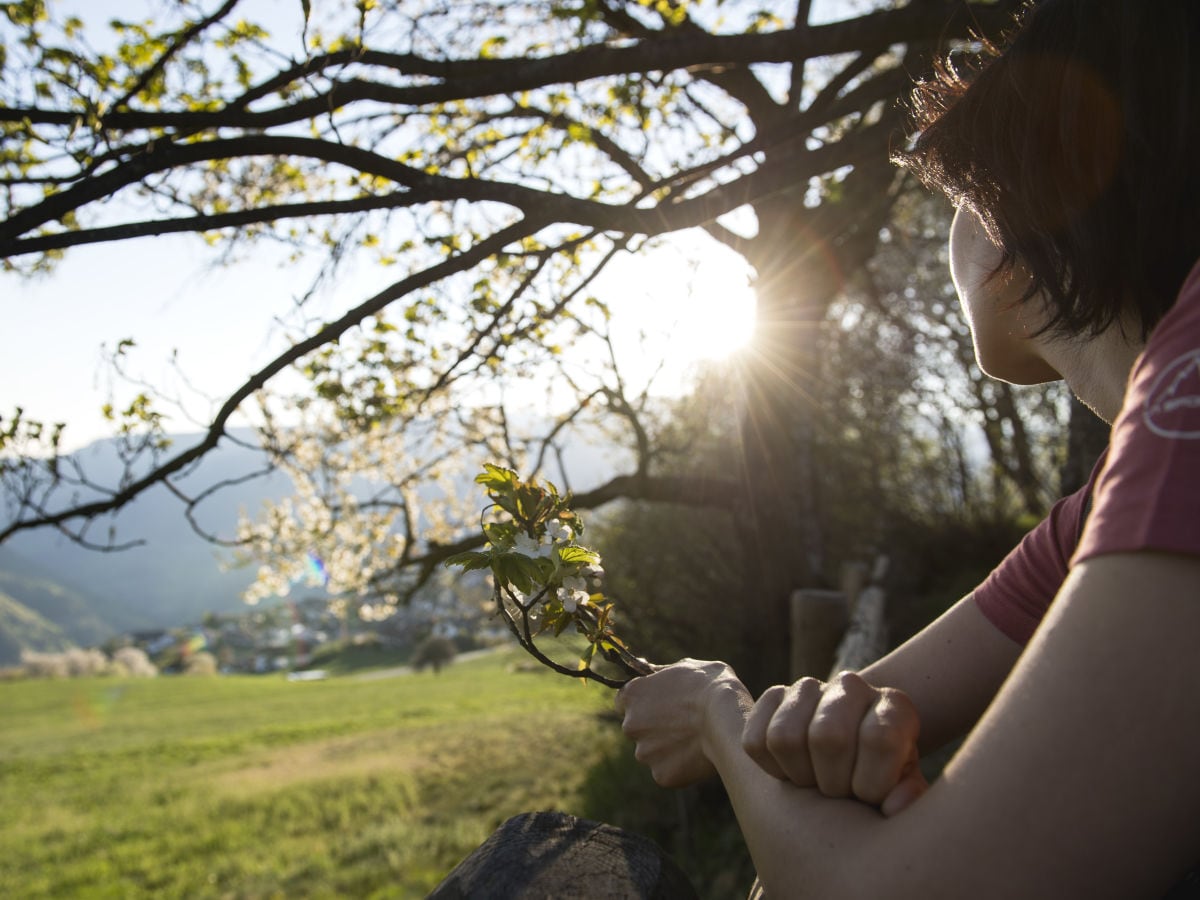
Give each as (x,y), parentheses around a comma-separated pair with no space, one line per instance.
(248,787)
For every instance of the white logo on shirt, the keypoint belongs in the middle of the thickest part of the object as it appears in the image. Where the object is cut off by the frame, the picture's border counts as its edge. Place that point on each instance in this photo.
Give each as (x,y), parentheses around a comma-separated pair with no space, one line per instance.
(1173,407)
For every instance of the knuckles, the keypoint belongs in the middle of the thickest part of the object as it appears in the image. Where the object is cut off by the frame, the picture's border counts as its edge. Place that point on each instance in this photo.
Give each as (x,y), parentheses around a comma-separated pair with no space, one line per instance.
(830,736)
(785,737)
(882,737)
(815,727)
(851,686)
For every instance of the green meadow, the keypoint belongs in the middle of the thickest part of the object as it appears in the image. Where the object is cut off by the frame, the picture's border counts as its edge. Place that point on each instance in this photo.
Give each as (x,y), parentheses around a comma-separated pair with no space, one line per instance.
(243,786)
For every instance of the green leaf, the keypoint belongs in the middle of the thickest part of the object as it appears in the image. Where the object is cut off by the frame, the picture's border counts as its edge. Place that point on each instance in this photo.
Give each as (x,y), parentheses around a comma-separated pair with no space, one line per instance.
(511,568)
(492,45)
(544,567)
(496,477)
(470,561)
(577,556)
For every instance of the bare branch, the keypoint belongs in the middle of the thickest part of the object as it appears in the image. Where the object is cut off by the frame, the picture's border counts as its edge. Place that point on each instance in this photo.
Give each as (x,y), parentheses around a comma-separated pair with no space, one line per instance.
(256,382)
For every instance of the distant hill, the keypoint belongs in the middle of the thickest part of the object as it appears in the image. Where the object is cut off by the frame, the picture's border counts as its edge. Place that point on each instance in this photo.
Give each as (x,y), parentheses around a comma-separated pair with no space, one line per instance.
(176,575)
(23,629)
(173,578)
(79,615)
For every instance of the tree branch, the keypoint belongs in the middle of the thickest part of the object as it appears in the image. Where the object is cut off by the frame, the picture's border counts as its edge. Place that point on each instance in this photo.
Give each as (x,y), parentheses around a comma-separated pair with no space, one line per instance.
(331,332)
(473,79)
(625,218)
(180,42)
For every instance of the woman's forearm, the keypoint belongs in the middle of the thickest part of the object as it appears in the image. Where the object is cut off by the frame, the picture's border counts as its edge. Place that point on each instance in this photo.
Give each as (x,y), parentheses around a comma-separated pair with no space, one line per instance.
(801,842)
(1052,795)
(951,670)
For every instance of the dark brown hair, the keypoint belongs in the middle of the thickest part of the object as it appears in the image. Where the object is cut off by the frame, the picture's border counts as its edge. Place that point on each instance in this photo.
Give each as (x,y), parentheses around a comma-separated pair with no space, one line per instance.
(1078,144)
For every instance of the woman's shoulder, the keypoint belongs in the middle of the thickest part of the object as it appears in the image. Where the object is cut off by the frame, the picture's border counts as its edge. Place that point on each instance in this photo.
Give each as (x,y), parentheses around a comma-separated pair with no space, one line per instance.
(1150,487)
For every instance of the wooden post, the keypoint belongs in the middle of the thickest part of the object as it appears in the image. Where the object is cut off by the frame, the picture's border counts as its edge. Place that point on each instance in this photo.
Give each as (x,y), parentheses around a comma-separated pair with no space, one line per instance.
(819,619)
(866,638)
(555,855)
(853,580)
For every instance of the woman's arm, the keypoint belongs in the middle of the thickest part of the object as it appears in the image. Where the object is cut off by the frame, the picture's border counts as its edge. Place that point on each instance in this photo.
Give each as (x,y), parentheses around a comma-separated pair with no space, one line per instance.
(950,670)
(862,735)
(1079,781)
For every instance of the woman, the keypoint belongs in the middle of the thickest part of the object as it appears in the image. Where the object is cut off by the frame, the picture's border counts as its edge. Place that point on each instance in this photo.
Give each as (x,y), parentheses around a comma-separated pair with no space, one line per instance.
(1074,160)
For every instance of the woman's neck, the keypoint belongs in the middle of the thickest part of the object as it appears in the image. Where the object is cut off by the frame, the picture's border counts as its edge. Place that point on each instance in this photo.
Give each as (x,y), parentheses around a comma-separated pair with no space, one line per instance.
(1097,368)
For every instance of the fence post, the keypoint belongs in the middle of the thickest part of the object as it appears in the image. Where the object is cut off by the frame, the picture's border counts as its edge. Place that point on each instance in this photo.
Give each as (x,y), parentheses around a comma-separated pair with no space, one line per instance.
(819,619)
(866,637)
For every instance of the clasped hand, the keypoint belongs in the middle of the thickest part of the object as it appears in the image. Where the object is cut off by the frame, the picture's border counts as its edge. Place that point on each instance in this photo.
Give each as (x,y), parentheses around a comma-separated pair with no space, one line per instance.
(845,737)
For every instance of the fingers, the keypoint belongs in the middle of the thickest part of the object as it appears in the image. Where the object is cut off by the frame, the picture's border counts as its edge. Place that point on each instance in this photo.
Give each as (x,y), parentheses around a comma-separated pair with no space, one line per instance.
(846,738)
(620,701)
(754,734)
(776,734)
(662,713)
(833,734)
(887,746)
(911,786)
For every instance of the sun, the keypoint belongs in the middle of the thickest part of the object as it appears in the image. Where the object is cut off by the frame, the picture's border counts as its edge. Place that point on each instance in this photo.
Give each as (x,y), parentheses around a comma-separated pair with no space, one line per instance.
(717,317)
(692,303)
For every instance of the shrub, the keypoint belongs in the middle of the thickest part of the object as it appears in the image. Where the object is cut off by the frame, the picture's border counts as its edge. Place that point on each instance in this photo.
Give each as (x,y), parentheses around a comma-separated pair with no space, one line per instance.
(43,665)
(434,651)
(83,663)
(133,662)
(200,663)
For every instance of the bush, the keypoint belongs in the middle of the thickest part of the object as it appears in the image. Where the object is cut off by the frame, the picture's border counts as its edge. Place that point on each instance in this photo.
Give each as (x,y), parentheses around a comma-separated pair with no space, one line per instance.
(134,663)
(43,665)
(82,663)
(73,663)
(434,651)
(200,663)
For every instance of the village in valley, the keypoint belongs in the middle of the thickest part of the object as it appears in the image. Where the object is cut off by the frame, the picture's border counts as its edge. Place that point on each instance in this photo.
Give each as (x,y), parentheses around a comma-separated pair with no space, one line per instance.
(292,636)
(299,634)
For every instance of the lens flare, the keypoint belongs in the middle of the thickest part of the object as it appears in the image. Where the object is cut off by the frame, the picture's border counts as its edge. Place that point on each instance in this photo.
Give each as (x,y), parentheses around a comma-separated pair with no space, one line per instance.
(315,567)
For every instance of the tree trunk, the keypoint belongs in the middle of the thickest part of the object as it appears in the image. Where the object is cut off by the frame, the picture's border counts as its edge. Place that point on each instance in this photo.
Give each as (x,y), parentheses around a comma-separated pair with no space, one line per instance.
(549,854)
(779,525)
(1019,463)
(801,256)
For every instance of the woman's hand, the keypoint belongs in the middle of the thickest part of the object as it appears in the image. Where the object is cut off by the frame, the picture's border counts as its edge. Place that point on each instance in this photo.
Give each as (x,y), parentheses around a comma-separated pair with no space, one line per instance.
(845,738)
(671,715)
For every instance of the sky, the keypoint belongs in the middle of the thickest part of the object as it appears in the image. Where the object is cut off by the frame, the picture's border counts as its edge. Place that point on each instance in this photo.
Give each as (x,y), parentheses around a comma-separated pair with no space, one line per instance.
(200,331)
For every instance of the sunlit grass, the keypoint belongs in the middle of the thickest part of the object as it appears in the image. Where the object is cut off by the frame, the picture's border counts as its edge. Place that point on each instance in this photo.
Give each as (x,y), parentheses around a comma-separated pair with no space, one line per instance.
(259,787)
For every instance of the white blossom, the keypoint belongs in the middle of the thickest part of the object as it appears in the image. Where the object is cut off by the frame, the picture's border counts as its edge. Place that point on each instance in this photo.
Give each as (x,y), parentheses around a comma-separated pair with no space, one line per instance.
(527,546)
(572,599)
(574,583)
(558,530)
(360,496)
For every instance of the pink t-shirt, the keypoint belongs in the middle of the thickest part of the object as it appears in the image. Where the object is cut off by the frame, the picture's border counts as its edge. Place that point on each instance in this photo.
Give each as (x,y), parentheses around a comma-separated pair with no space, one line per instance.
(1148,496)
(1146,489)
(1015,596)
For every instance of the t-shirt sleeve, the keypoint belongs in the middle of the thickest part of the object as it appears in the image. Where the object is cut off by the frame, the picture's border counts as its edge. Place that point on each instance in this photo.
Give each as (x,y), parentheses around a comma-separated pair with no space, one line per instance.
(1016,595)
(1148,496)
